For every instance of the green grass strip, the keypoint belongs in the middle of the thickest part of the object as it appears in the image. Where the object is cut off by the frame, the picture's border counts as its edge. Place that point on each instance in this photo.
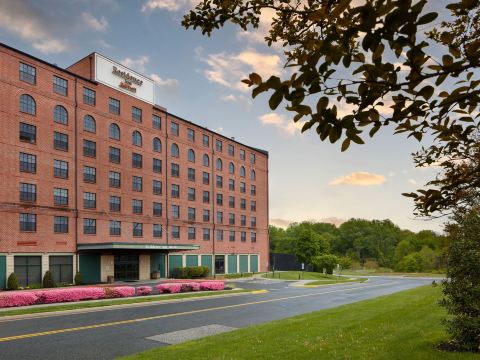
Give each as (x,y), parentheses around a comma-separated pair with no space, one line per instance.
(401,326)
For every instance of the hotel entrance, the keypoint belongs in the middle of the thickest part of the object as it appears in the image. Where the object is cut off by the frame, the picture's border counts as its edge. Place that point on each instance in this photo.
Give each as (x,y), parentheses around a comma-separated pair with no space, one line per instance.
(126,267)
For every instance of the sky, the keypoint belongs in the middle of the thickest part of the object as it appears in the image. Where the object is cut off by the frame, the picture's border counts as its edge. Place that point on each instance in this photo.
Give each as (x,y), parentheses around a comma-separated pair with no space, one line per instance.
(199,78)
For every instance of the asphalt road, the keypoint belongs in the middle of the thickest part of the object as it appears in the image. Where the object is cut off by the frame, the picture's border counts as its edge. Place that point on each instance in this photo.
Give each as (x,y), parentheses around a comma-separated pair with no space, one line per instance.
(106,334)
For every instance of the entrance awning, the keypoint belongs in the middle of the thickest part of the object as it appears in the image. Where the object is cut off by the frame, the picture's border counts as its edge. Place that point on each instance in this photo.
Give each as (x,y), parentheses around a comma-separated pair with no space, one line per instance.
(136,246)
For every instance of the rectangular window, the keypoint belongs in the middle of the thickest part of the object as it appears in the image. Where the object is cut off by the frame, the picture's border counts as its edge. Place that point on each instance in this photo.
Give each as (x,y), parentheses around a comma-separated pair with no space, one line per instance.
(231,184)
(115,203)
(60,86)
(89,174)
(175,170)
(136,183)
(206,234)
(219,217)
(243,204)
(89,226)
(60,197)
(206,197)
(219,181)
(114,155)
(28,133)
(89,148)
(231,150)
(157,165)
(206,215)
(137,206)
(191,194)
(253,206)
(242,154)
(89,200)
(205,178)
(175,212)
(136,160)
(28,73)
(231,236)
(253,221)
(157,230)
(243,220)
(156,122)
(174,128)
(28,269)
(136,114)
(60,169)
(253,237)
(220,199)
(231,201)
(231,219)
(60,224)
(175,191)
(191,174)
(28,192)
(114,179)
(28,163)
(115,228)
(191,134)
(137,229)
(28,222)
(60,141)
(252,159)
(242,187)
(205,140)
(61,268)
(253,190)
(157,187)
(191,233)
(114,106)
(157,209)
(219,235)
(218,145)
(175,232)
(191,214)
(89,96)
(243,236)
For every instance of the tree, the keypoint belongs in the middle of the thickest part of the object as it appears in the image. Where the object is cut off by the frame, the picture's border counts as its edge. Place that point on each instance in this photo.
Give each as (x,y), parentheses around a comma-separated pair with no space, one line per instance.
(326,261)
(376,59)
(462,291)
(12,282)
(307,246)
(48,281)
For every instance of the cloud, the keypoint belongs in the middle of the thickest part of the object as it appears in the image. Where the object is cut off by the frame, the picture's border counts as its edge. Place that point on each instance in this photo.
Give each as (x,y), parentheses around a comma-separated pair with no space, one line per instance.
(104,44)
(284,223)
(136,64)
(286,126)
(258,35)
(237,99)
(25,21)
(94,23)
(167,84)
(168,5)
(412,182)
(228,69)
(359,178)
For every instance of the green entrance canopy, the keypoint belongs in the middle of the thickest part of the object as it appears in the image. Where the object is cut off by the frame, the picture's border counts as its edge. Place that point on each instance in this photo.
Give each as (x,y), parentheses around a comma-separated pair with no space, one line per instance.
(136,246)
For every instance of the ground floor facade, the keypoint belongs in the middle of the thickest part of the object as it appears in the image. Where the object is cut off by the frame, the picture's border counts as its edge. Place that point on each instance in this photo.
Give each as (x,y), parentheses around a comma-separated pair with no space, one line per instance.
(101,266)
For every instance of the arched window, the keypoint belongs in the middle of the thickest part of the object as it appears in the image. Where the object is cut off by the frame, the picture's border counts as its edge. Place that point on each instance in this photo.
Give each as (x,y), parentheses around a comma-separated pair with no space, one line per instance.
(89,124)
(231,168)
(219,164)
(242,171)
(252,175)
(156,144)
(114,131)
(136,138)
(206,160)
(191,155)
(60,115)
(27,104)
(174,150)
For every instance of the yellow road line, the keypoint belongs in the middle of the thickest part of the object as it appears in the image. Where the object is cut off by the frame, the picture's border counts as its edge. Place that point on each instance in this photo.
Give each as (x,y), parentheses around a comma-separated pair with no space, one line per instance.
(131,321)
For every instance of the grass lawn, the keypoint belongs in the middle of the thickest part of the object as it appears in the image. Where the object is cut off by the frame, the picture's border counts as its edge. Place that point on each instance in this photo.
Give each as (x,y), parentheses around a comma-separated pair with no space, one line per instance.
(401,326)
(379,272)
(294,275)
(336,281)
(102,303)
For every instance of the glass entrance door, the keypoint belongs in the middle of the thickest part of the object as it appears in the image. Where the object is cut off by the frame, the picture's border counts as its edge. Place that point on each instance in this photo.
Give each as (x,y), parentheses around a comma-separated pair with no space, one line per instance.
(219,264)
(126,267)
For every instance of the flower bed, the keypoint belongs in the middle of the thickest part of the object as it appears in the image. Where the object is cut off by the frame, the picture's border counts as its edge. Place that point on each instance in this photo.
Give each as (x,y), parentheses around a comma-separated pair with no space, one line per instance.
(51,296)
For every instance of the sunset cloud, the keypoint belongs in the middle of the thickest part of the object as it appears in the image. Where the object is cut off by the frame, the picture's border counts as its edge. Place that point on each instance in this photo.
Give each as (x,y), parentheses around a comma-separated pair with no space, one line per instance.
(280,121)
(359,178)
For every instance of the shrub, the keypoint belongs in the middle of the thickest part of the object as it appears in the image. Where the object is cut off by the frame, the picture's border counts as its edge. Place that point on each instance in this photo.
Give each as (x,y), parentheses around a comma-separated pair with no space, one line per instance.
(69,295)
(190,272)
(48,281)
(12,282)
(169,288)
(78,278)
(180,273)
(212,285)
(144,290)
(327,262)
(17,298)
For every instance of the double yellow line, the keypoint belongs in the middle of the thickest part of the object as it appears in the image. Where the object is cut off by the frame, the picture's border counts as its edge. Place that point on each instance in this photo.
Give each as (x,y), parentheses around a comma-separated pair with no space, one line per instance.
(132,321)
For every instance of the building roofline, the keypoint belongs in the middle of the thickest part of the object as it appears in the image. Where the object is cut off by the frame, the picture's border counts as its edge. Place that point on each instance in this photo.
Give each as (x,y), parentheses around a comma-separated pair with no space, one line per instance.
(47,63)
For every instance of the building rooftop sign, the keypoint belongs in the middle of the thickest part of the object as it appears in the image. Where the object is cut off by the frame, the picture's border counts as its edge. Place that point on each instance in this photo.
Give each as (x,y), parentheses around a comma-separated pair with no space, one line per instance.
(123,79)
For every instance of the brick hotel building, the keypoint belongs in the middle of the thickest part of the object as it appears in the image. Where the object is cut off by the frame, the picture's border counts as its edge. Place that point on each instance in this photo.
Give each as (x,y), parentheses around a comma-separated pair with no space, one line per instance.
(97,178)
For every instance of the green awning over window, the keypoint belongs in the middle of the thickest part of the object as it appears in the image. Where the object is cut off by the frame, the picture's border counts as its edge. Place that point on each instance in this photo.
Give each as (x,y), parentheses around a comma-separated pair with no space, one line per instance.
(136,246)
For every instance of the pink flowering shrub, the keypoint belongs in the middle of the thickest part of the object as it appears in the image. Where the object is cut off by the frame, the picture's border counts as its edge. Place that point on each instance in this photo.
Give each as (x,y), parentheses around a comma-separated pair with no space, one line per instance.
(144,290)
(212,285)
(17,298)
(69,295)
(119,291)
(169,288)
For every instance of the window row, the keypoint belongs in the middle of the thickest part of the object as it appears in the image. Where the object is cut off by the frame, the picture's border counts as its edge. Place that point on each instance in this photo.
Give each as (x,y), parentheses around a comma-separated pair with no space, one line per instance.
(28,74)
